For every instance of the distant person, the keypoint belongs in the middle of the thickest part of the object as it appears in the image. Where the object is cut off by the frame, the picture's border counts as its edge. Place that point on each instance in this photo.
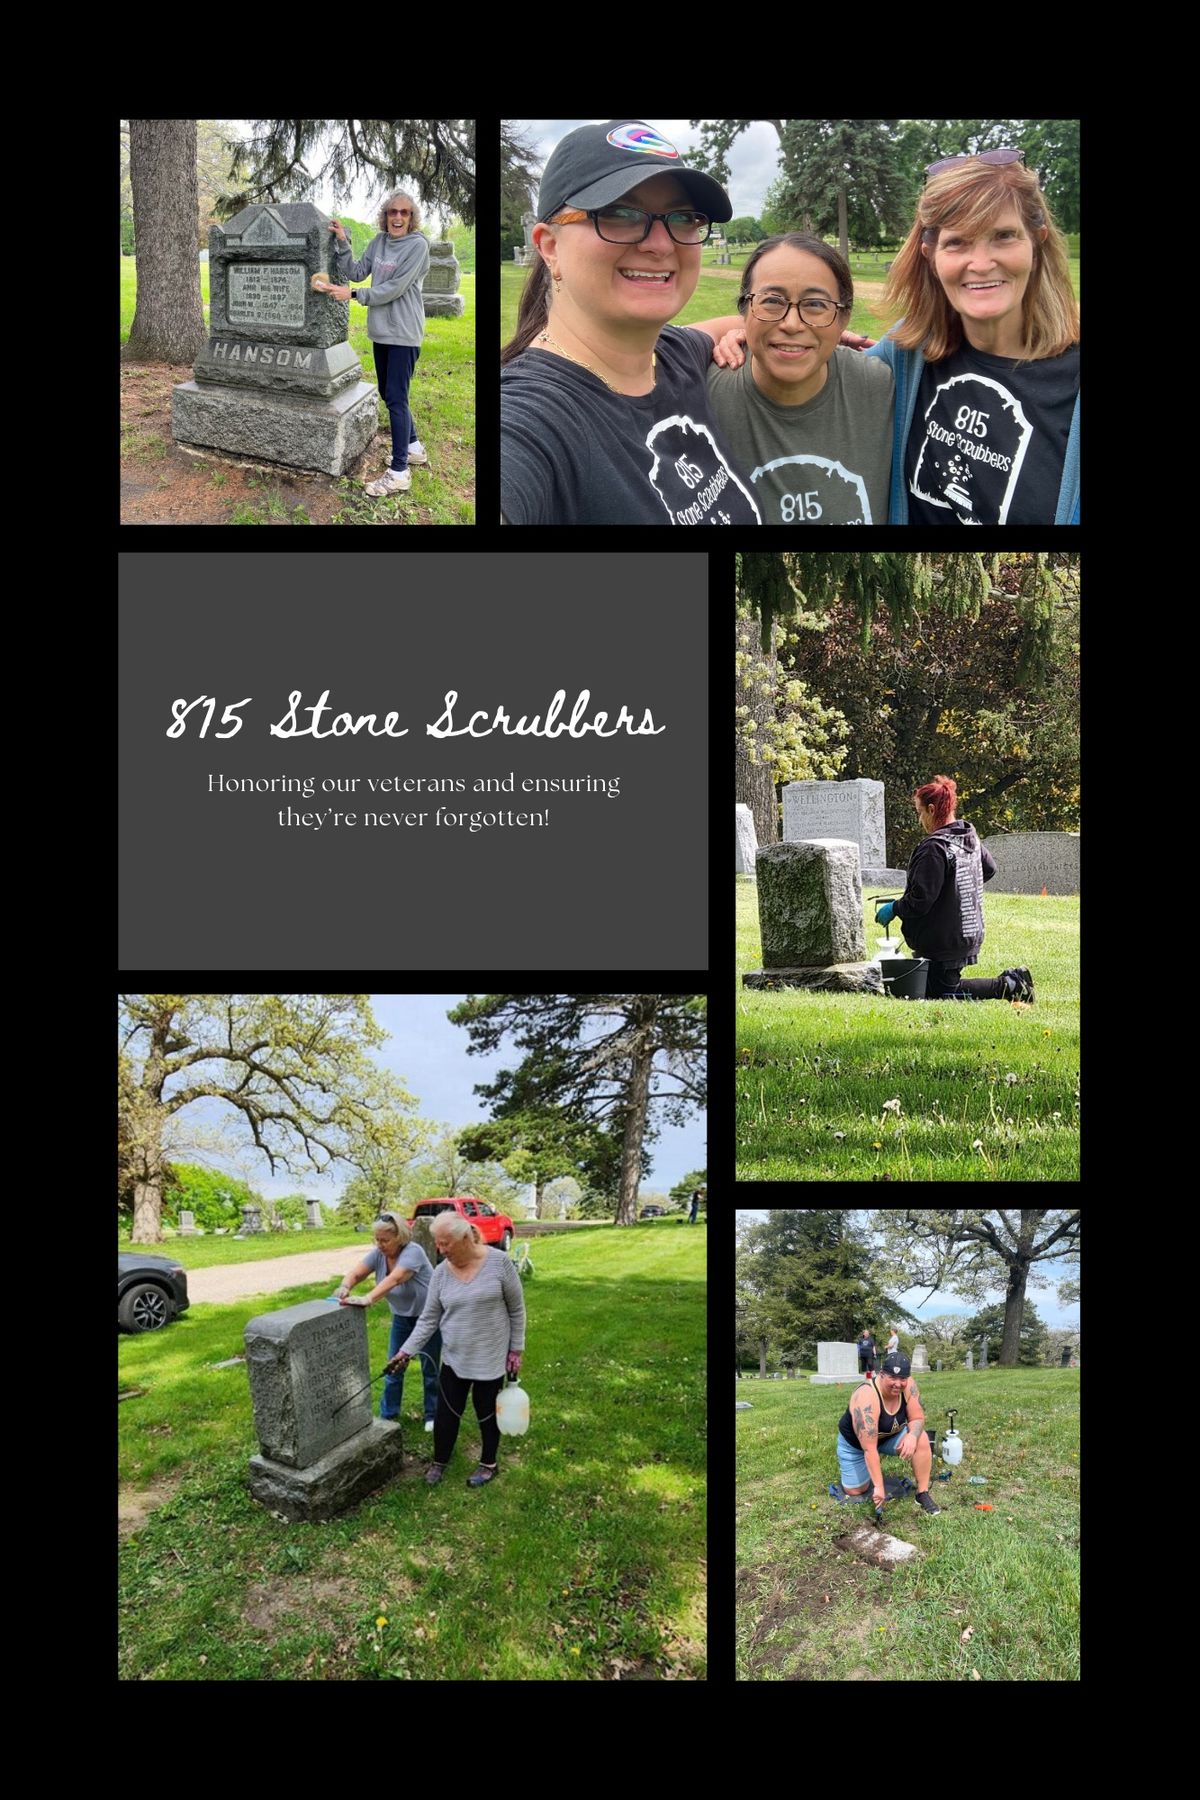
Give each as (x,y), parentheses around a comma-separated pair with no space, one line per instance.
(402,1274)
(941,909)
(695,1207)
(893,1342)
(866,1352)
(396,260)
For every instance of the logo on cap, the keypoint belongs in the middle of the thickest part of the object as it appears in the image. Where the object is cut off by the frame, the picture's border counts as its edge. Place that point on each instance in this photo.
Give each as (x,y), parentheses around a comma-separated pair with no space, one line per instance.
(640,137)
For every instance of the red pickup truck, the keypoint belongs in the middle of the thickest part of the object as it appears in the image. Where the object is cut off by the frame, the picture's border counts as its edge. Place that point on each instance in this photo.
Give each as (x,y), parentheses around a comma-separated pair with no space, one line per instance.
(494,1227)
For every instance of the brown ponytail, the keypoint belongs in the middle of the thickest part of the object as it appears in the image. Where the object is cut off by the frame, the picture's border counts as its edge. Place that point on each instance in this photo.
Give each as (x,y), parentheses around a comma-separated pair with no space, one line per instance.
(534,311)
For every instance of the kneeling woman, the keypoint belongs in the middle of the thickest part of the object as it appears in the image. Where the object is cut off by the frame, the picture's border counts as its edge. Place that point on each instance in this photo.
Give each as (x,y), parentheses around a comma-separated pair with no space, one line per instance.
(941,910)
(885,1418)
(475,1300)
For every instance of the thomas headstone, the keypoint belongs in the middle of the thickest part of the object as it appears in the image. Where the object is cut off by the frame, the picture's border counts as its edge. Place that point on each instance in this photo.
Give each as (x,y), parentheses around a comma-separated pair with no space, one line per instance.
(439,290)
(321,1450)
(1028,861)
(811,919)
(277,380)
(970,1362)
(747,841)
(836,1363)
(920,1361)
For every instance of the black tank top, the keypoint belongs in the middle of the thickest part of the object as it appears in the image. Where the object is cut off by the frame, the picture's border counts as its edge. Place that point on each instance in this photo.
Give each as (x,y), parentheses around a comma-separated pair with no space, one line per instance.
(890,1424)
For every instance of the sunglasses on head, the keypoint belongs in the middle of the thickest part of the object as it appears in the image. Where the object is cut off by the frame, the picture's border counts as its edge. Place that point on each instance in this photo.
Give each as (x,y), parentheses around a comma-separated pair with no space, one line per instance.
(996,157)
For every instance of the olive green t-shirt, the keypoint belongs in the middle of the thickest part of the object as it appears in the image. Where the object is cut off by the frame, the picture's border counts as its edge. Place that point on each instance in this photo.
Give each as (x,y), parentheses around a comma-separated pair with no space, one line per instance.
(825,463)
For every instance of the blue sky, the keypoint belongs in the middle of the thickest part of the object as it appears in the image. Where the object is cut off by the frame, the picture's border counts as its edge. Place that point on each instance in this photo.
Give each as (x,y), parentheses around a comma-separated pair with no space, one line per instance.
(753,160)
(429,1055)
(1054,1316)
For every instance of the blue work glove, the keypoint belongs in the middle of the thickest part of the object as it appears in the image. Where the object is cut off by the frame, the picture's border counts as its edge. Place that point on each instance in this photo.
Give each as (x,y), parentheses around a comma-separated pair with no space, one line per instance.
(886,913)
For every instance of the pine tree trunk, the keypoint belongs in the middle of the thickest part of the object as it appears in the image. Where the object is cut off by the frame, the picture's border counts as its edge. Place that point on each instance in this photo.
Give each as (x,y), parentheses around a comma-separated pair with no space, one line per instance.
(754,783)
(168,325)
(635,1120)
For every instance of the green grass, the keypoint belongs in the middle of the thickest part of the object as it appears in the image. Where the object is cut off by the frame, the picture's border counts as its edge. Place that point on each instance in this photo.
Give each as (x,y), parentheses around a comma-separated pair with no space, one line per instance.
(208,1251)
(587,1552)
(716,295)
(810,1065)
(809,1610)
(443,403)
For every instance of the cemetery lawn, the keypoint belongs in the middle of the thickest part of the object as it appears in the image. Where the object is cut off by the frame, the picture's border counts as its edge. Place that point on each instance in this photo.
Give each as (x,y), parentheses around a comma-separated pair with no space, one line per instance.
(988,1091)
(808,1610)
(208,1251)
(162,485)
(584,1560)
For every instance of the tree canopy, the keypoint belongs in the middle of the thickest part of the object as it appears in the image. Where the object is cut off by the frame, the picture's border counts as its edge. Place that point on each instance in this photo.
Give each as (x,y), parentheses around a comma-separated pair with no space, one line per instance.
(291,159)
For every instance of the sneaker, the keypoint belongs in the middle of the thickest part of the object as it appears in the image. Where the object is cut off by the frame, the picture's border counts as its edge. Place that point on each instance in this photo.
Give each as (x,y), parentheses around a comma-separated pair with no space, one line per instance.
(434,1473)
(482,1476)
(417,453)
(429,1424)
(1022,982)
(392,481)
(926,1504)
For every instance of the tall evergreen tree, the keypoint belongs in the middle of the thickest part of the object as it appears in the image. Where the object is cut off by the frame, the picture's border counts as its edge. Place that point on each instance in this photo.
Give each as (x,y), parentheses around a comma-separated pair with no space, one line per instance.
(168,323)
(290,159)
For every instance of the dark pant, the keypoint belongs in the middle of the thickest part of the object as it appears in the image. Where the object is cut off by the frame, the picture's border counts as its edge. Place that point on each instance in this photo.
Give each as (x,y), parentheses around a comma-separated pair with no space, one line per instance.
(944,982)
(452,1403)
(393,1385)
(394,365)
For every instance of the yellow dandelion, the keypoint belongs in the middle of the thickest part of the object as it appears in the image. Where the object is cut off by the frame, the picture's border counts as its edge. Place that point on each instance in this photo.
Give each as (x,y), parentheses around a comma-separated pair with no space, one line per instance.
(574,1651)
(380,1622)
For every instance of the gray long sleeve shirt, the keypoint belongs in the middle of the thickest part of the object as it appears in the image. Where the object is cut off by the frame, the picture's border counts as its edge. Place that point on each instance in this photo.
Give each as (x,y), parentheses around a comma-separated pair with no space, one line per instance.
(480,1320)
(395,309)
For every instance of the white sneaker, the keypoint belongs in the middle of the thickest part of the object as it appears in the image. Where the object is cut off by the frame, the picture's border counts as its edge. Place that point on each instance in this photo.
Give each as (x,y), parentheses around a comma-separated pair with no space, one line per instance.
(417,453)
(392,481)
(429,1424)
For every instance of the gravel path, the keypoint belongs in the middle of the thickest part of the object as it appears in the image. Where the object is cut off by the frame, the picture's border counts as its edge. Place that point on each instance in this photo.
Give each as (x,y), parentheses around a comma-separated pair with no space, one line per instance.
(231,1281)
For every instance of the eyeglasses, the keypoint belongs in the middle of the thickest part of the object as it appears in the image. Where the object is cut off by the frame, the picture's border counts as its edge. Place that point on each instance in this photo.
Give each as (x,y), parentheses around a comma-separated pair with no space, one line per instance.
(995,157)
(769,309)
(630,225)
(399,212)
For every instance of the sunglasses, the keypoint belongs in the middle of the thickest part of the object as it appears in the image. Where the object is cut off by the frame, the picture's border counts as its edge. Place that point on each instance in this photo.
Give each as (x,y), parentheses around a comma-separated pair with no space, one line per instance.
(399,212)
(995,157)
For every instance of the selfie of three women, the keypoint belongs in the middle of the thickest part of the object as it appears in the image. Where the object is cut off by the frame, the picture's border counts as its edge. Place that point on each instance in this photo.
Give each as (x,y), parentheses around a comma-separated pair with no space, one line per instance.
(803,322)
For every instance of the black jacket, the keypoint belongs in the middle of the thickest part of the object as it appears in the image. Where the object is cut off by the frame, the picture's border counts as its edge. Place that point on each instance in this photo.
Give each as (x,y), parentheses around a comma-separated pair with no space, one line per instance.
(942,907)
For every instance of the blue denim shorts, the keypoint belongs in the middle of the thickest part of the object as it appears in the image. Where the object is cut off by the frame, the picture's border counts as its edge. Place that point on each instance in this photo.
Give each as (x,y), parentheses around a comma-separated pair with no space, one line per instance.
(853,1464)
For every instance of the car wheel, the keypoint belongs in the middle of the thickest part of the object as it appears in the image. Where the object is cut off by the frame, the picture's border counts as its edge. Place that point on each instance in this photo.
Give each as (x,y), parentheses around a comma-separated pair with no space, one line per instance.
(144,1307)
(506,1238)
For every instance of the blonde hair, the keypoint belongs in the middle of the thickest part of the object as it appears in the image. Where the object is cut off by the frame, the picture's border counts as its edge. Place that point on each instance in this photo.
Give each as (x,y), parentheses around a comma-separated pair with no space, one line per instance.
(414,223)
(969,199)
(399,1226)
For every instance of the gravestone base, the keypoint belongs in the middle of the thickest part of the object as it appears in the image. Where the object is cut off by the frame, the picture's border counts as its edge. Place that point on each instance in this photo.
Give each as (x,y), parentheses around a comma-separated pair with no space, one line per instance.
(443,306)
(837,978)
(335,1481)
(300,431)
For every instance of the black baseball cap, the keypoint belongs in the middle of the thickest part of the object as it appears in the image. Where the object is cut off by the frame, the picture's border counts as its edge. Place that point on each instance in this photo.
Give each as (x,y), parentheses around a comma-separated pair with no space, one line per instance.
(896,1364)
(595,164)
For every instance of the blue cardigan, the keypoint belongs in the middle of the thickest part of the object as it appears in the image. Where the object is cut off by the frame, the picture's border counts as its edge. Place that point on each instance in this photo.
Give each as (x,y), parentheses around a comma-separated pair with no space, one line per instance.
(906,366)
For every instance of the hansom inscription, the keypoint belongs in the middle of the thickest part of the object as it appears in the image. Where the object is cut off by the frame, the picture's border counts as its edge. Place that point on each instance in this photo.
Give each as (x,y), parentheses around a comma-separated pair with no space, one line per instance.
(266,354)
(266,293)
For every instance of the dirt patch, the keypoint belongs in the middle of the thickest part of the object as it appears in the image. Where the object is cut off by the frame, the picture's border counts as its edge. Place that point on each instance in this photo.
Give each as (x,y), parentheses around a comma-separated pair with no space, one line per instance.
(775,1596)
(164,485)
(134,1505)
(268,1603)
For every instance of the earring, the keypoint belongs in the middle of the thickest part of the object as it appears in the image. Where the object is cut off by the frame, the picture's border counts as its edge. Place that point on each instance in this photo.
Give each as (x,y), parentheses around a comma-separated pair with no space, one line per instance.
(557,278)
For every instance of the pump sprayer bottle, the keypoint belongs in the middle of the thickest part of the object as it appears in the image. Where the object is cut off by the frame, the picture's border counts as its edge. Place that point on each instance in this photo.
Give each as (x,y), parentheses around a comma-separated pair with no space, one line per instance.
(512,1409)
(951,1442)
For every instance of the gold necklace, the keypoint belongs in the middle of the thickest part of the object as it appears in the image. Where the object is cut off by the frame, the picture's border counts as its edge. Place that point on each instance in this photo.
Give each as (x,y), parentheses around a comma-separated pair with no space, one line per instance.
(545,338)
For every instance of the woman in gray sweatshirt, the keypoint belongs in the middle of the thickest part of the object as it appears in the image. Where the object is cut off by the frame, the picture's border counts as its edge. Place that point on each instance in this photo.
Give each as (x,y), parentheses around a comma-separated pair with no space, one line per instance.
(396,261)
(475,1300)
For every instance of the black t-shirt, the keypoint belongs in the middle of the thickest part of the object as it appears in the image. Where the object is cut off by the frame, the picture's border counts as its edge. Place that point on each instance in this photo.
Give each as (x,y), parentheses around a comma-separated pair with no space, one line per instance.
(988,439)
(574,453)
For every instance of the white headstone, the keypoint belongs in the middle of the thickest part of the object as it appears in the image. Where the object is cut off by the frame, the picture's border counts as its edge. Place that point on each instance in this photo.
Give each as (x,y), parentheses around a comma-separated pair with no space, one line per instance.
(836,1363)
(747,841)
(919,1359)
(970,1362)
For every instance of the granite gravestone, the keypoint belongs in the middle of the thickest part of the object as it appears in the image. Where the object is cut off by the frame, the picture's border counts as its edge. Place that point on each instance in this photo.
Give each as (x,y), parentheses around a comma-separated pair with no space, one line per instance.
(747,841)
(939,1364)
(838,809)
(1066,1356)
(313,1214)
(920,1361)
(187,1224)
(277,380)
(439,290)
(1028,861)
(983,1355)
(836,1363)
(970,1362)
(321,1450)
(811,919)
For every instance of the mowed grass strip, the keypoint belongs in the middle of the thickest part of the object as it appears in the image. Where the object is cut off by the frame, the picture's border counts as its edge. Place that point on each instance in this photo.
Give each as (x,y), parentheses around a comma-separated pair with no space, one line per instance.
(988,1091)
(584,1560)
(809,1610)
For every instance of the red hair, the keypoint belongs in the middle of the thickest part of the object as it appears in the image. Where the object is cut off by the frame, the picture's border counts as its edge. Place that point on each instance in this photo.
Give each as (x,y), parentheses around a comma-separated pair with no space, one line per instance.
(941,796)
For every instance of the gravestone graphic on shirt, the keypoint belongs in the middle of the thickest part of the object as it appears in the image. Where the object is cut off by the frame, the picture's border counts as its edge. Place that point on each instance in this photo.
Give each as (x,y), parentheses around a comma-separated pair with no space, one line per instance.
(690,475)
(821,492)
(975,439)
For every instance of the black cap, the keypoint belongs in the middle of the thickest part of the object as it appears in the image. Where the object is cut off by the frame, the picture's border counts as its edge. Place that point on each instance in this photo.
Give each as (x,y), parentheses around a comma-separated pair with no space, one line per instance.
(896,1364)
(595,164)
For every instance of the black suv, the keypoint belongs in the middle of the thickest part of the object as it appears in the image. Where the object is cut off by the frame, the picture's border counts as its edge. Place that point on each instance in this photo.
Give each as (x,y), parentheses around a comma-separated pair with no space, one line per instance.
(151,1291)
